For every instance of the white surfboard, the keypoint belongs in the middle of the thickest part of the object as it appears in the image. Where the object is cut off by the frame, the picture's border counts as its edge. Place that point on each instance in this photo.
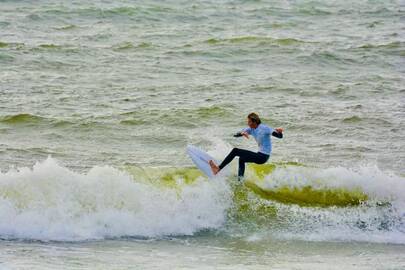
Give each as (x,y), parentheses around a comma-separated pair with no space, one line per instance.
(201,159)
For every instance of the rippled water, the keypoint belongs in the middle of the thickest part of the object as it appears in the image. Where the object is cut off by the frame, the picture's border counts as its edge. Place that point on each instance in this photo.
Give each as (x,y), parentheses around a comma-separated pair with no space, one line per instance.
(114,86)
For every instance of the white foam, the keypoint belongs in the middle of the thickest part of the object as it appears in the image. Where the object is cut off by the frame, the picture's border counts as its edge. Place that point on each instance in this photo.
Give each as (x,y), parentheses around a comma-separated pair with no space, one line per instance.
(364,224)
(51,202)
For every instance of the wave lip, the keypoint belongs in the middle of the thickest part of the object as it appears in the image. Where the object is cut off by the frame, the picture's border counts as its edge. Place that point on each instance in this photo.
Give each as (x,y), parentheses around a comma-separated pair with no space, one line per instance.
(374,183)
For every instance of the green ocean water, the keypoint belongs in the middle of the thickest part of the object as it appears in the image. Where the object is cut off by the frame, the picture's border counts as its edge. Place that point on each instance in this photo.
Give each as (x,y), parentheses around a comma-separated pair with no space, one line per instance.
(98,101)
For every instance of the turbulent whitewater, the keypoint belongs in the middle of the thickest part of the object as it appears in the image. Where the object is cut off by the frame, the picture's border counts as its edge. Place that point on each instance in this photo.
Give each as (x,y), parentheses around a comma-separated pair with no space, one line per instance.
(52,202)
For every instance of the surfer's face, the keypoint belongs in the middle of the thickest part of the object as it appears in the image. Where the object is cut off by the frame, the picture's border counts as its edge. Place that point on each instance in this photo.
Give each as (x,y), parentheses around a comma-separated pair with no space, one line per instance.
(251,124)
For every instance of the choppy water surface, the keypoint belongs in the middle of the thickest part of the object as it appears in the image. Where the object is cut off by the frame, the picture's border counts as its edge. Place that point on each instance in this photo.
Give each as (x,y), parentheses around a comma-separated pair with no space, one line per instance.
(99,100)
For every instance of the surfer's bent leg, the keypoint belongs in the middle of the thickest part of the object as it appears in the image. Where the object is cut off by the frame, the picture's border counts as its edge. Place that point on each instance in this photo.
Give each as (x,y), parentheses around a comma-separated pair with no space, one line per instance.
(248,156)
(244,156)
(229,158)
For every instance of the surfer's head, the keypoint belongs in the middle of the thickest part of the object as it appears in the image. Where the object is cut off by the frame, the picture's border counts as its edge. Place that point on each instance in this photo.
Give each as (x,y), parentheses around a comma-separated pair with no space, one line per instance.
(253,120)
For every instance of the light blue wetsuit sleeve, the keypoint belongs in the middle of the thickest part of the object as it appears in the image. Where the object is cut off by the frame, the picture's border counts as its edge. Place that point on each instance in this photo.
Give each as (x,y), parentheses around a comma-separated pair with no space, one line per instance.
(248,130)
(268,130)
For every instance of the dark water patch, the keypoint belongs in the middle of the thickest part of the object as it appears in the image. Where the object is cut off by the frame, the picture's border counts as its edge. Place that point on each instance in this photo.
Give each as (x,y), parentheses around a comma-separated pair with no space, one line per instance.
(343,92)
(327,58)
(355,119)
(380,11)
(374,24)
(93,12)
(312,10)
(90,125)
(340,90)
(99,37)
(133,122)
(53,48)
(279,25)
(208,112)
(365,11)
(352,119)
(4,24)
(36,150)
(327,145)
(52,63)
(144,45)
(214,54)
(275,88)
(355,107)
(50,46)
(11,45)
(190,117)
(395,44)
(357,149)
(160,9)
(129,46)
(129,99)
(378,121)
(123,46)
(21,118)
(120,11)
(392,48)
(323,8)
(62,123)
(6,58)
(265,88)
(255,40)
(31,119)
(34,17)
(105,13)
(163,139)
(66,27)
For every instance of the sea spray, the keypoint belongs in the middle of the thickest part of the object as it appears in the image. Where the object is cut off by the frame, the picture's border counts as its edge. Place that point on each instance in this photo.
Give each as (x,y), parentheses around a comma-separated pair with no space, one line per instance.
(52,202)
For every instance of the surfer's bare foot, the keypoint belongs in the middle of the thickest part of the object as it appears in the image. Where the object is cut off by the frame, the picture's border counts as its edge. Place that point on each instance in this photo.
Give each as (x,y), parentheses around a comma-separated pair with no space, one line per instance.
(214,167)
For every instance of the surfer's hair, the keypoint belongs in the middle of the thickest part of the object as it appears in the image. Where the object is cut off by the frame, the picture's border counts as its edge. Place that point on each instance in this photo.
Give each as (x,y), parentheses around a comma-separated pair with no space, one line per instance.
(254,117)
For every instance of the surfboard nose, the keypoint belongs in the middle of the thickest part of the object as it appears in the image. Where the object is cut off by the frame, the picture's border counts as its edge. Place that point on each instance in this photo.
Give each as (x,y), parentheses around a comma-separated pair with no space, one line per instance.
(201,160)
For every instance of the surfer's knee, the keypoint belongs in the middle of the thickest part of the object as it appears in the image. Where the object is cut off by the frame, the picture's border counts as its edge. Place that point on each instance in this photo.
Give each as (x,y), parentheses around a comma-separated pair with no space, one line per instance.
(261,161)
(235,150)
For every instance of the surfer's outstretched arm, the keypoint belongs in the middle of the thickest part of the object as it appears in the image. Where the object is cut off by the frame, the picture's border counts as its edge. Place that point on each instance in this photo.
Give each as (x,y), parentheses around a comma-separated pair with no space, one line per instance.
(278,133)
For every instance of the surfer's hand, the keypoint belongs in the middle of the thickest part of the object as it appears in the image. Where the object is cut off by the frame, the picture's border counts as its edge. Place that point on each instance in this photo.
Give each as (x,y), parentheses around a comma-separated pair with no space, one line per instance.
(245,134)
(279,130)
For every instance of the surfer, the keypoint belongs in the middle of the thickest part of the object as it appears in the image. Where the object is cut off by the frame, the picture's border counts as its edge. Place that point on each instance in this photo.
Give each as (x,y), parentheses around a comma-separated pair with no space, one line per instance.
(262,134)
